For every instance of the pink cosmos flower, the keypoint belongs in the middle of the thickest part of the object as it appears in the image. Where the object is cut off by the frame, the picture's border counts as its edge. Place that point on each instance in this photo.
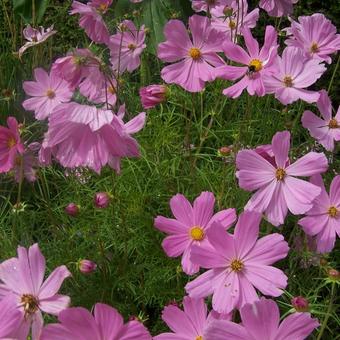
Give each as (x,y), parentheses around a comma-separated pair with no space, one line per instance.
(105,324)
(325,130)
(10,144)
(87,136)
(277,188)
(316,36)
(204,5)
(91,19)
(278,8)
(238,264)
(292,75)
(35,37)
(323,220)
(126,47)
(48,91)
(152,95)
(189,324)
(195,60)
(23,276)
(257,63)
(10,318)
(190,226)
(261,321)
(232,18)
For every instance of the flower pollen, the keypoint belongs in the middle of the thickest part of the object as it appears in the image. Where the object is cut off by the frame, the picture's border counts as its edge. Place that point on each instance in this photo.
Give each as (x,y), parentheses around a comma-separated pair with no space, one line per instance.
(11,142)
(132,47)
(197,233)
(255,65)
(314,47)
(333,124)
(280,174)
(232,25)
(236,265)
(50,94)
(288,81)
(30,304)
(200,337)
(195,53)
(333,212)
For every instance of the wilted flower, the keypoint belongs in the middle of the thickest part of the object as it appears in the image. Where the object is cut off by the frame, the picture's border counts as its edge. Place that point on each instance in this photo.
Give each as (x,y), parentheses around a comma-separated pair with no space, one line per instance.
(101,200)
(72,209)
(87,266)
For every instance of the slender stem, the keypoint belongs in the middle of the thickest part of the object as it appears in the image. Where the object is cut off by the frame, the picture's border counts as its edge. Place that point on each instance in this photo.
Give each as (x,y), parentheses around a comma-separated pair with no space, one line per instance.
(328,314)
(333,75)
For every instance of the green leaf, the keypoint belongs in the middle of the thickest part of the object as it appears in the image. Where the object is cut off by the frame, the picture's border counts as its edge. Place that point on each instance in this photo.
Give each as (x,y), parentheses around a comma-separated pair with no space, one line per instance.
(32,11)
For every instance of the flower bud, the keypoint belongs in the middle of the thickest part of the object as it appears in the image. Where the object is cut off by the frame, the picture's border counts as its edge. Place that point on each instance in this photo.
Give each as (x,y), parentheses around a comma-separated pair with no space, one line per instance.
(101,200)
(72,209)
(300,304)
(152,95)
(334,274)
(224,151)
(87,266)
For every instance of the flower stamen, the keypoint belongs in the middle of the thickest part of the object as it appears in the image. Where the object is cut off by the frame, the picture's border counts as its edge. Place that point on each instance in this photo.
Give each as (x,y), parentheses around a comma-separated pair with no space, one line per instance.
(195,53)
(236,265)
(11,142)
(30,304)
(50,94)
(132,47)
(314,47)
(255,65)
(280,174)
(333,124)
(288,81)
(333,212)
(197,233)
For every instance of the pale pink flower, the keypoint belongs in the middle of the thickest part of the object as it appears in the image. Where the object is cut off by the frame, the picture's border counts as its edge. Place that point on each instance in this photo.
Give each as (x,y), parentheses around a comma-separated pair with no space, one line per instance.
(292,75)
(189,324)
(35,37)
(91,19)
(261,321)
(323,220)
(10,145)
(232,18)
(105,324)
(23,276)
(278,8)
(126,47)
(152,95)
(256,63)
(10,318)
(204,5)
(194,60)
(325,130)
(316,36)
(87,136)
(277,188)
(238,264)
(190,226)
(48,91)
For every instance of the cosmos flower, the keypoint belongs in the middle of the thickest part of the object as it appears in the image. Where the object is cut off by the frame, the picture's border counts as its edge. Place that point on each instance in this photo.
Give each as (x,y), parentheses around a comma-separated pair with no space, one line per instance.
(316,36)
(10,318)
(47,92)
(23,276)
(238,264)
(190,226)
(278,8)
(256,63)
(325,130)
(323,219)
(260,321)
(194,61)
(293,74)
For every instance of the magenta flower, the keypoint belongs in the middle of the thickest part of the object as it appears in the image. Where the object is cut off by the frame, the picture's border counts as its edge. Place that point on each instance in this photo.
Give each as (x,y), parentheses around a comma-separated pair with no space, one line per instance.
(195,60)
(189,324)
(72,209)
(325,130)
(323,219)
(101,200)
(238,264)
(152,95)
(257,63)
(262,321)
(48,91)
(277,188)
(87,266)
(91,19)
(278,8)
(232,18)
(190,226)
(10,145)
(10,318)
(126,47)
(293,74)
(105,324)
(204,5)
(35,37)
(300,304)
(23,276)
(316,36)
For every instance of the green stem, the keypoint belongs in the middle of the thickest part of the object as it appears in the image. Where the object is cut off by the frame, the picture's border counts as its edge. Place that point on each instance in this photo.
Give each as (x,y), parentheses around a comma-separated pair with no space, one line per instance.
(333,75)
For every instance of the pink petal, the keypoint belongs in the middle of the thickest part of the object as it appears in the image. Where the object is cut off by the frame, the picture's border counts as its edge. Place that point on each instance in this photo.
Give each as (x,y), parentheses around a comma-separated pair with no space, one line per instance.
(182,209)
(236,53)
(236,90)
(251,43)
(230,72)
(310,164)
(37,267)
(134,330)
(203,208)
(196,310)
(334,192)
(37,325)
(10,276)
(108,319)
(170,225)
(280,147)
(201,286)
(207,257)
(324,105)
(55,304)
(189,267)
(325,240)
(277,209)
(313,225)
(225,217)
(222,330)
(175,245)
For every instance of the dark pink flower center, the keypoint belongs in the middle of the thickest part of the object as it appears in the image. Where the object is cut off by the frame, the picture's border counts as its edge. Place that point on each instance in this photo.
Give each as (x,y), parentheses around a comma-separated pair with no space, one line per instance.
(30,304)
(197,233)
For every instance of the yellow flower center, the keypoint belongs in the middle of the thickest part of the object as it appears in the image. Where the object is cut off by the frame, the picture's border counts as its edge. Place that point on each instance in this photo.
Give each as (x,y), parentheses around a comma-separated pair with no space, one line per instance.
(11,142)
(30,304)
(102,7)
(280,174)
(255,65)
(333,211)
(197,233)
(232,25)
(314,48)
(195,53)
(50,94)
(288,81)
(200,337)
(333,124)
(132,47)
(236,265)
